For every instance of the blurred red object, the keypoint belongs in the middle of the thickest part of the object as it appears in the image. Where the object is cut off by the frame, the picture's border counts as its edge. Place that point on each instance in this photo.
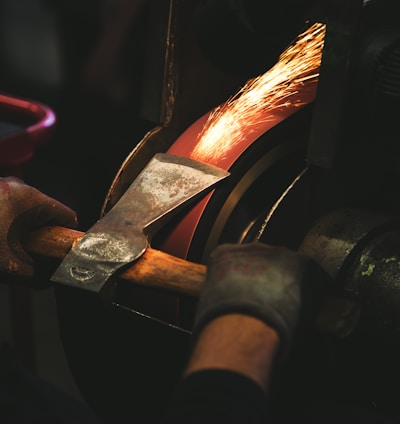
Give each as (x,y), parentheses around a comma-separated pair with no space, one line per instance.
(24,126)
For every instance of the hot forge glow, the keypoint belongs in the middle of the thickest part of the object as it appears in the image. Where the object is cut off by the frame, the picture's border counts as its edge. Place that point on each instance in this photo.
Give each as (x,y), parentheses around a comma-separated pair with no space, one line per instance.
(291,82)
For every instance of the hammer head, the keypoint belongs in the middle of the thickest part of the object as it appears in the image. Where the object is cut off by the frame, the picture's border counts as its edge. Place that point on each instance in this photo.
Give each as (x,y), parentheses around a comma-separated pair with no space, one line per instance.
(163,188)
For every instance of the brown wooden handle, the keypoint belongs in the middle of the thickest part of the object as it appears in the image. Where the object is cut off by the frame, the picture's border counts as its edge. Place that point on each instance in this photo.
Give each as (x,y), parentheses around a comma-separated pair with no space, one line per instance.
(154,268)
(161,270)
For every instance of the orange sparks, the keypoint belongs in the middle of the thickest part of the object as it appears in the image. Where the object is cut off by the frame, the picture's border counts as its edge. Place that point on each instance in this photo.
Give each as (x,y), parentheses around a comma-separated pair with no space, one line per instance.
(283,86)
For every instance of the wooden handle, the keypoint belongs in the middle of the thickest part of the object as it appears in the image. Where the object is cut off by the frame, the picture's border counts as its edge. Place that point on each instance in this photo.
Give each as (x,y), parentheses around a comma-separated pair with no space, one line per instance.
(153,269)
(158,269)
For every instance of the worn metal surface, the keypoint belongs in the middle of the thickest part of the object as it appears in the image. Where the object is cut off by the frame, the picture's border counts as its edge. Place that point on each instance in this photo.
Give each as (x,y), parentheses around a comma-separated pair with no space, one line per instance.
(373,280)
(360,250)
(165,186)
(337,234)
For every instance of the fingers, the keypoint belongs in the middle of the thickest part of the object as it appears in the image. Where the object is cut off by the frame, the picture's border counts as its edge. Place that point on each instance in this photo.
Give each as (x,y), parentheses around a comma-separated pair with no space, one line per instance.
(23,209)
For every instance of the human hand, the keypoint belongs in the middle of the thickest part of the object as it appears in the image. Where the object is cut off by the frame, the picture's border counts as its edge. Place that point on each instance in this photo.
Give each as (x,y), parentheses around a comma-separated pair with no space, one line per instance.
(271,283)
(23,209)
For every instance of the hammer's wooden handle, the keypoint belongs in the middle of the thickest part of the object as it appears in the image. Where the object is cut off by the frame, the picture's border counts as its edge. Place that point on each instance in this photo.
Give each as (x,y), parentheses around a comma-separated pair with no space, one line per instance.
(153,269)
(158,269)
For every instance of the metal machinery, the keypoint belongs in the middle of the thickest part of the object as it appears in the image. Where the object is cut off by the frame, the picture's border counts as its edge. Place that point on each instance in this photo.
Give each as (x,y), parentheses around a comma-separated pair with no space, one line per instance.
(343,210)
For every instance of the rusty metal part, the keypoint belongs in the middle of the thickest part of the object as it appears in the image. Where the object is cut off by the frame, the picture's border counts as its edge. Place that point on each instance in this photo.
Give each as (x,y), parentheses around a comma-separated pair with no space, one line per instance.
(360,250)
(372,278)
(337,317)
(162,189)
(334,236)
